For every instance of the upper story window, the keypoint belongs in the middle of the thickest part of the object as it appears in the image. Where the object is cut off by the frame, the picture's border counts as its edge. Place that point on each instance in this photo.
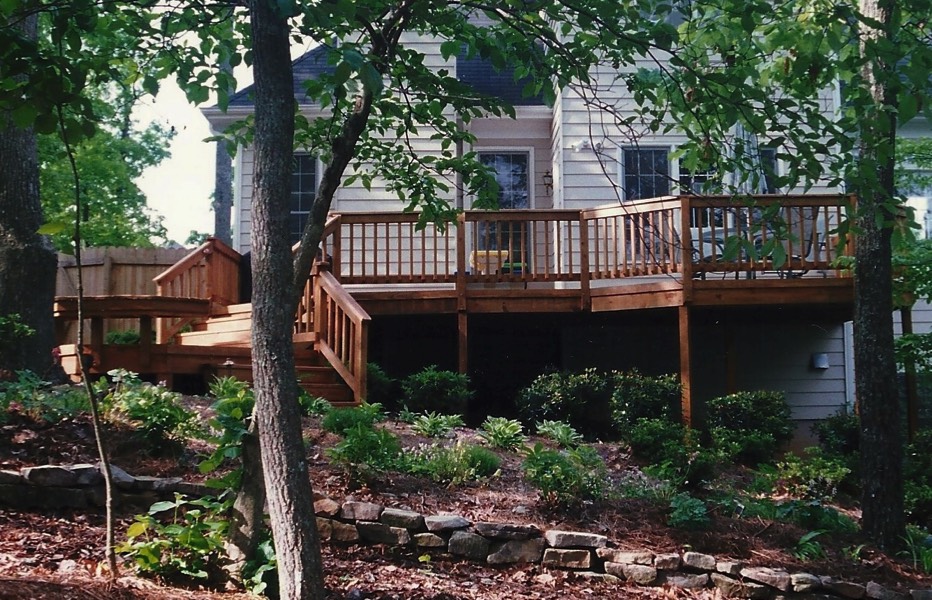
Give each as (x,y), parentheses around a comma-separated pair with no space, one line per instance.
(512,174)
(303,192)
(645,172)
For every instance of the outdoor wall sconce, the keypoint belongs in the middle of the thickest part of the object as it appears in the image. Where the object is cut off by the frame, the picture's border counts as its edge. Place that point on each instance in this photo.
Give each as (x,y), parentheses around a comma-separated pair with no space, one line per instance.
(819,361)
(548,182)
(587,145)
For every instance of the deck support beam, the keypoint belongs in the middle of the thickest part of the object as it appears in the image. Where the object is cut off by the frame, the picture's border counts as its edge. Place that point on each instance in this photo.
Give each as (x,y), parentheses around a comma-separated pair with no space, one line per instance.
(685,365)
(462,352)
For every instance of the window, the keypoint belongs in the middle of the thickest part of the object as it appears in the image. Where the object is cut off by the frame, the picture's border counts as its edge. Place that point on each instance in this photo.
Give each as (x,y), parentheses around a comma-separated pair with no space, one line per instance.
(699,183)
(512,173)
(303,191)
(645,172)
(769,171)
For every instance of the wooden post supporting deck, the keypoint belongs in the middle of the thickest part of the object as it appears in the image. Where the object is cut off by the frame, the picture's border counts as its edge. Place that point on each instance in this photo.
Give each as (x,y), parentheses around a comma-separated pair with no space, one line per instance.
(463,345)
(685,365)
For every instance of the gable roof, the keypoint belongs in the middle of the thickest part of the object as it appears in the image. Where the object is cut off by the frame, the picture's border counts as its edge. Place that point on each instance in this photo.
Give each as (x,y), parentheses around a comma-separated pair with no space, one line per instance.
(476,72)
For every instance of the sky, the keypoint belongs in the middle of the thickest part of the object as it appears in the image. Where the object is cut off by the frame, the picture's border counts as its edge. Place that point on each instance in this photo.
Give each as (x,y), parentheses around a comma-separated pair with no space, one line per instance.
(181,188)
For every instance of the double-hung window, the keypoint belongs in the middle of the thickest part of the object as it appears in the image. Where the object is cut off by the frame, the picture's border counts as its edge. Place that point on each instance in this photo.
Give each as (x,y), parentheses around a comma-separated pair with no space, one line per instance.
(645,172)
(303,192)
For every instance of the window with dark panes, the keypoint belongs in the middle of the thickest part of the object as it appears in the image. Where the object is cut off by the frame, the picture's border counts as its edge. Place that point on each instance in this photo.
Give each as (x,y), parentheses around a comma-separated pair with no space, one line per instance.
(303,191)
(645,172)
(512,173)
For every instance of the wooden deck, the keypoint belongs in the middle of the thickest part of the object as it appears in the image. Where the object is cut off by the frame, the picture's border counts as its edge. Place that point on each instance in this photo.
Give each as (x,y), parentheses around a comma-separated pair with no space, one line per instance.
(676,252)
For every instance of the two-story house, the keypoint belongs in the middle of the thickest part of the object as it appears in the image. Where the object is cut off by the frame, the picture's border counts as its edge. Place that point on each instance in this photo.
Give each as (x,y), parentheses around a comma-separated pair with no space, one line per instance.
(581,268)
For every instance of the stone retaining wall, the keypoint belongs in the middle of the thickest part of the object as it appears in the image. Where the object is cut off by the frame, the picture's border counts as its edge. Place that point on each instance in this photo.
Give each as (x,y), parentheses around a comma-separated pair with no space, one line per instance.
(353,522)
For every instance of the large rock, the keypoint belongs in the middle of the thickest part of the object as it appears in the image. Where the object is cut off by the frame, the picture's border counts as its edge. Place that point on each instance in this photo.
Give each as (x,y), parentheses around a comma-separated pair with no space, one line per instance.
(518,551)
(639,574)
(381,533)
(875,591)
(361,511)
(51,476)
(566,559)
(395,517)
(732,588)
(847,589)
(326,507)
(729,567)
(344,532)
(668,562)
(442,523)
(920,594)
(696,560)
(685,580)
(772,577)
(574,539)
(429,540)
(145,483)
(34,496)
(324,528)
(125,481)
(625,557)
(805,582)
(507,531)
(11,477)
(470,545)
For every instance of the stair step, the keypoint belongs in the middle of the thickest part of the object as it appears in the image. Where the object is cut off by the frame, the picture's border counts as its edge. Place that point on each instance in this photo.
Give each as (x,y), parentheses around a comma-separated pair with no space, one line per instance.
(317,374)
(214,338)
(232,309)
(335,393)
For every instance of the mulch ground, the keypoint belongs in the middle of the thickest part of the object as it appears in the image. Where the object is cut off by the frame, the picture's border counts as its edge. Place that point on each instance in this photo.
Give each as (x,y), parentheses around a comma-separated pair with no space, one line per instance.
(57,554)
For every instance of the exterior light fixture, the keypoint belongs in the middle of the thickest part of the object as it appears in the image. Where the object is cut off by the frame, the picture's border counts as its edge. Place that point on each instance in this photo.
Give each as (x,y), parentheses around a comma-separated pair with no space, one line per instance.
(548,181)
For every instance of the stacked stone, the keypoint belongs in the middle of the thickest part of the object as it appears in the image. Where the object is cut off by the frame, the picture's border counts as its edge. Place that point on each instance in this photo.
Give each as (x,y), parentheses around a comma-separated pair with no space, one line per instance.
(586,553)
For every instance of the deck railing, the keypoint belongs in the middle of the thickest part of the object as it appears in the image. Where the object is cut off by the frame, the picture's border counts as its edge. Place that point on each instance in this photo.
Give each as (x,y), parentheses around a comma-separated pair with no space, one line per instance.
(341,329)
(788,236)
(660,236)
(209,271)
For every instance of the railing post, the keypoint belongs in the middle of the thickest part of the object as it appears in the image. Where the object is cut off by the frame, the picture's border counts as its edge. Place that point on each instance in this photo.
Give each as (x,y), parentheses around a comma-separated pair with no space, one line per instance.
(318,307)
(461,262)
(687,244)
(337,247)
(584,262)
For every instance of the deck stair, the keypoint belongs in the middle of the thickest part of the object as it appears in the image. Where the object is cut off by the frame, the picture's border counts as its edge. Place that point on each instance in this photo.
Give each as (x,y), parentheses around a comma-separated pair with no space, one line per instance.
(230,327)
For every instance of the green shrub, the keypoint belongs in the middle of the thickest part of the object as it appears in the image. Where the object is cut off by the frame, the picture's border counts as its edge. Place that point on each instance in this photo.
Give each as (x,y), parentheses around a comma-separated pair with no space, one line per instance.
(189,544)
(814,476)
(444,392)
(313,405)
(917,473)
(636,397)
(381,388)
(919,548)
(340,420)
(230,424)
(840,434)
(579,399)
(749,426)
(655,439)
(155,411)
(506,434)
(455,465)
(364,450)
(566,477)
(812,514)
(436,425)
(687,512)
(41,400)
(125,337)
(808,547)
(562,433)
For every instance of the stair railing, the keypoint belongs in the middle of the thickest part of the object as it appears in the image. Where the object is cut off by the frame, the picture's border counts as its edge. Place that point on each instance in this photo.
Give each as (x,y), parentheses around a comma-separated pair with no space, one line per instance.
(341,328)
(209,271)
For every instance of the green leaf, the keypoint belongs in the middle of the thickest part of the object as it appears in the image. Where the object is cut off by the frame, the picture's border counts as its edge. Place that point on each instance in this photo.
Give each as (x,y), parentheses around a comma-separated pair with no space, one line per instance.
(53,228)
(25,115)
(162,507)
(136,529)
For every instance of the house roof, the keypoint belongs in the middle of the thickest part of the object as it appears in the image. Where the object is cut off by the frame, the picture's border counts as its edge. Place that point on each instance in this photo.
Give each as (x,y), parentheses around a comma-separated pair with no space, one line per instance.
(476,72)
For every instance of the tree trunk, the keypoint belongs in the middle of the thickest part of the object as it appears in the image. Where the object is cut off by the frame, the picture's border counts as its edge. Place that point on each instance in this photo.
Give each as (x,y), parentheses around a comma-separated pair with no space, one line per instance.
(27,260)
(278,415)
(247,518)
(882,519)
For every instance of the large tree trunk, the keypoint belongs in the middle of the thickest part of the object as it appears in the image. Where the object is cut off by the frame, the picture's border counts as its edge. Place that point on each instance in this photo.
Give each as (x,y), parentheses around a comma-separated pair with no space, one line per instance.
(223,182)
(882,520)
(277,412)
(27,261)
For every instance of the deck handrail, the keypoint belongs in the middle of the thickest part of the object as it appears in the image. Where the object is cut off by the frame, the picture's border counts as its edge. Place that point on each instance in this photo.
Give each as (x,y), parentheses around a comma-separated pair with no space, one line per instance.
(341,328)
(210,271)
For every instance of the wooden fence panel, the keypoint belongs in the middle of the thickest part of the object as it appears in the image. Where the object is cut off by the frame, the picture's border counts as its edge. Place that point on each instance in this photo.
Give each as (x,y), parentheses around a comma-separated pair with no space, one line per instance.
(113,272)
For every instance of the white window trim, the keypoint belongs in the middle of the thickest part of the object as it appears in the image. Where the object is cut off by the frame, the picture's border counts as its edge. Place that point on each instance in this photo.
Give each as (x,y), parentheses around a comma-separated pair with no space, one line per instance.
(673,164)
